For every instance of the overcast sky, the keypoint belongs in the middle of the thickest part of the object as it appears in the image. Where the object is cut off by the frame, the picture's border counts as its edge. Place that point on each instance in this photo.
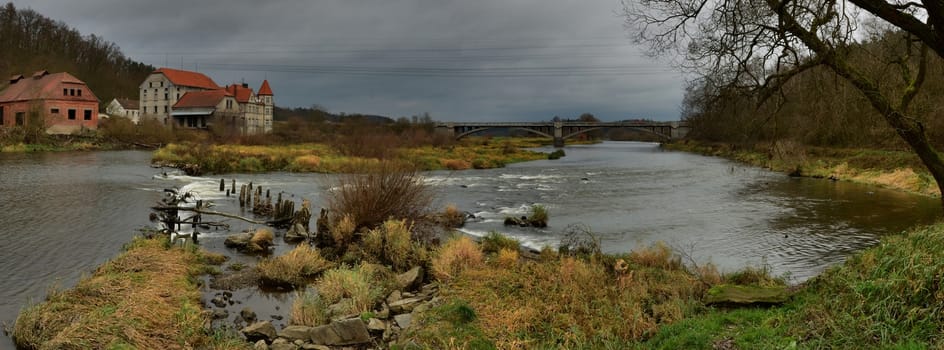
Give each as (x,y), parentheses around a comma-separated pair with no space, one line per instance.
(473,60)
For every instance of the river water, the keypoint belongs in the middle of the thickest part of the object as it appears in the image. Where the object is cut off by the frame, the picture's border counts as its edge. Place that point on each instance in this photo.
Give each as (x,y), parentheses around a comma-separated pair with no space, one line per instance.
(63,214)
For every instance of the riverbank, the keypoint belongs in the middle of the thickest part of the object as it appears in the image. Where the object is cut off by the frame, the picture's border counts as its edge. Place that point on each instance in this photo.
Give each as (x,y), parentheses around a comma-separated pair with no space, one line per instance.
(471,153)
(145,298)
(899,170)
(61,143)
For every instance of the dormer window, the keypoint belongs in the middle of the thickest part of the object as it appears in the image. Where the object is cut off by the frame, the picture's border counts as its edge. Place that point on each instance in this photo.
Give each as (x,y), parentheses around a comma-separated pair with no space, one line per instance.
(65,92)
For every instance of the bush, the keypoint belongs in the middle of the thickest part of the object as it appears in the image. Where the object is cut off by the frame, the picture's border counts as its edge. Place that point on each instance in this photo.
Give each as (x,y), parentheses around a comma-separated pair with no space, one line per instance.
(494,242)
(387,191)
(556,154)
(538,217)
(343,231)
(391,244)
(579,240)
(455,256)
(452,217)
(352,286)
(658,255)
(293,268)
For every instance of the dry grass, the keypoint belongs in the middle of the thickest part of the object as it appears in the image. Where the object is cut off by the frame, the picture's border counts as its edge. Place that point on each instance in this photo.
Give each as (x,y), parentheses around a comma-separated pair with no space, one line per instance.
(293,268)
(387,191)
(658,255)
(392,244)
(212,258)
(343,231)
(352,287)
(144,299)
(306,163)
(507,258)
(494,242)
(261,240)
(308,309)
(452,216)
(455,164)
(455,256)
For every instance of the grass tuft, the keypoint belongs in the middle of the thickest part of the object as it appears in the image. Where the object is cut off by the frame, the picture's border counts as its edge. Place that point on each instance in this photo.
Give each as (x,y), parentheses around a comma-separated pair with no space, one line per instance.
(351,287)
(494,242)
(455,256)
(293,268)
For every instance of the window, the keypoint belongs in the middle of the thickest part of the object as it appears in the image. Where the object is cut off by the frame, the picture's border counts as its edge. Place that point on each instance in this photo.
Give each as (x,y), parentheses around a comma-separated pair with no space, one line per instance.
(162,84)
(20,118)
(165,96)
(71,92)
(65,92)
(155,111)
(1,115)
(79,92)
(88,114)
(150,84)
(71,114)
(54,111)
(165,109)
(178,95)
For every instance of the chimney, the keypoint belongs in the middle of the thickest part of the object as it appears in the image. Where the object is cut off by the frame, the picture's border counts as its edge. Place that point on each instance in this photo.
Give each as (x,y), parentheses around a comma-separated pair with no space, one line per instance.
(245,85)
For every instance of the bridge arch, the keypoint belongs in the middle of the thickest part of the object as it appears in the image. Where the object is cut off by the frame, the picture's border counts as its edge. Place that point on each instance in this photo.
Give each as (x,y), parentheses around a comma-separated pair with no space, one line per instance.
(583,131)
(478,130)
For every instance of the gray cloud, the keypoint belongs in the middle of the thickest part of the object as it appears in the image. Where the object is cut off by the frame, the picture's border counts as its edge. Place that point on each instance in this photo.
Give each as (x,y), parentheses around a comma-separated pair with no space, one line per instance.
(457,60)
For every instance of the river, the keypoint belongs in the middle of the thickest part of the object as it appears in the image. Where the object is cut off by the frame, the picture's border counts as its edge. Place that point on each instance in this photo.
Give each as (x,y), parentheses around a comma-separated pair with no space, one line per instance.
(63,214)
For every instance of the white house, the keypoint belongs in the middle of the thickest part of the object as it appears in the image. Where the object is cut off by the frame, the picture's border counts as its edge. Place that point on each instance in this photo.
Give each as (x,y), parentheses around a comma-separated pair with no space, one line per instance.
(123,107)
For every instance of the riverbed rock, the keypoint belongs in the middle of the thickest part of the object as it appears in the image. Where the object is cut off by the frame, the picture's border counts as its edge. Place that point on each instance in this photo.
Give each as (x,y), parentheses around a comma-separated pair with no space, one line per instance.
(403,320)
(259,331)
(296,233)
(309,346)
(744,295)
(219,314)
(248,315)
(260,345)
(283,346)
(218,301)
(345,332)
(394,296)
(376,325)
(239,240)
(411,279)
(296,332)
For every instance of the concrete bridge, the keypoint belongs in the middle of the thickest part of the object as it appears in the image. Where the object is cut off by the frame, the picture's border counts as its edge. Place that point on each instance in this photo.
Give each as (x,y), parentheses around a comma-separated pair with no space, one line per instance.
(560,131)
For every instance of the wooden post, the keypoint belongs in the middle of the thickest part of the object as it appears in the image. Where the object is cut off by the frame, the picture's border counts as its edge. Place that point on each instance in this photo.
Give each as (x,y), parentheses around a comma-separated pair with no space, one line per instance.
(222,185)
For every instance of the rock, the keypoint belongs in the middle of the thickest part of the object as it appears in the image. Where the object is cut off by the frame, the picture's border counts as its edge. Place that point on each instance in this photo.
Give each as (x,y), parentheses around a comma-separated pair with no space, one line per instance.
(308,346)
(376,325)
(218,301)
(259,331)
(283,346)
(219,314)
(339,308)
(276,317)
(405,305)
(248,315)
(346,332)
(296,233)
(260,345)
(299,342)
(295,332)
(227,294)
(238,240)
(410,280)
(280,341)
(383,313)
(403,320)
(735,294)
(394,296)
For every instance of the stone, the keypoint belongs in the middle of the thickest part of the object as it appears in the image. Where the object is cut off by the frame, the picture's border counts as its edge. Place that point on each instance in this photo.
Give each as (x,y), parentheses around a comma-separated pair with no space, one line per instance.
(309,346)
(405,305)
(339,308)
(376,325)
(411,279)
(296,233)
(280,341)
(394,296)
(259,331)
(218,301)
(238,240)
(283,346)
(295,332)
(219,314)
(298,342)
(346,332)
(227,294)
(403,320)
(744,295)
(248,315)
(260,345)
(383,313)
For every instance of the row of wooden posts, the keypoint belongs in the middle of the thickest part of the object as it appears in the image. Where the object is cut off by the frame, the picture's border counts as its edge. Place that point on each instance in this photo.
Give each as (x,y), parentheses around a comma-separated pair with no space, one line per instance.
(258,204)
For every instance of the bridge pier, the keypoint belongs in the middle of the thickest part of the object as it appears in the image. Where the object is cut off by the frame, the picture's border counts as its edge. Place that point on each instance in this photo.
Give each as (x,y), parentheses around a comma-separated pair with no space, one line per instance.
(558,134)
(559,142)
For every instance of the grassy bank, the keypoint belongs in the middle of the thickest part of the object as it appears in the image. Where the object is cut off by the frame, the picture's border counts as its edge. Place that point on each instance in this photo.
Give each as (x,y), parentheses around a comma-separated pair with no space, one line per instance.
(478,153)
(900,170)
(145,298)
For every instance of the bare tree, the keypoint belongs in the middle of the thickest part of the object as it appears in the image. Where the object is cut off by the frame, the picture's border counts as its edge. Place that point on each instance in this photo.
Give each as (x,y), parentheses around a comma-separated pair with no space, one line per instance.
(759,45)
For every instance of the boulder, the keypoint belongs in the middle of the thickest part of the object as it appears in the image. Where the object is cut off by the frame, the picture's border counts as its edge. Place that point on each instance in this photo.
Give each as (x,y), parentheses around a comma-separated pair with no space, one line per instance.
(296,233)
(403,320)
(405,305)
(248,315)
(296,332)
(309,346)
(219,314)
(394,296)
(218,301)
(410,280)
(744,295)
(260,345)
(283,346)
(345,332)
(259,331)
(239,240)
(376,325)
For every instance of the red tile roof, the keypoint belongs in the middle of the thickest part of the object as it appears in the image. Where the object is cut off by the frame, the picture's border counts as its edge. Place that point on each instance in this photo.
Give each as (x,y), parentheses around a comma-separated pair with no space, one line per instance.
(188,78)
(243,94)
(198,99)
(265,90)
(45,86)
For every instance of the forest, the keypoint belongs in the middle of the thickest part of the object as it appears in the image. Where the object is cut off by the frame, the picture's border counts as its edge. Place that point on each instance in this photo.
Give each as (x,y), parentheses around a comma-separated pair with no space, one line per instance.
(31,42)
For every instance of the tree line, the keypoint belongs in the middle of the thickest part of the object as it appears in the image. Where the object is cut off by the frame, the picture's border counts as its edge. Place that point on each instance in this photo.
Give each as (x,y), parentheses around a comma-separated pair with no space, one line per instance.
(30,42)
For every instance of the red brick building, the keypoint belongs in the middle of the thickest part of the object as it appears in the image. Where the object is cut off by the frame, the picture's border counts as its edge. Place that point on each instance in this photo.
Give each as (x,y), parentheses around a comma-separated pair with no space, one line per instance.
(63,102)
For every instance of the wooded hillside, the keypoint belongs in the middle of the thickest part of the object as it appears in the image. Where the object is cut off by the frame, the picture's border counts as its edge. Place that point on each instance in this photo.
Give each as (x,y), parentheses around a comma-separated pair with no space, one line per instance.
(30,42)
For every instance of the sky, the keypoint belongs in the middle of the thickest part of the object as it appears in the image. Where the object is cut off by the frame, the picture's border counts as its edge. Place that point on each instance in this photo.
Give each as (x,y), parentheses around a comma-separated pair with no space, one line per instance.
(472,60)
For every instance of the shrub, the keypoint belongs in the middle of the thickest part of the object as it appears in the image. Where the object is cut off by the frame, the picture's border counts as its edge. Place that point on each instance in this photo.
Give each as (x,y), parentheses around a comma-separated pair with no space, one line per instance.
(493,242)
(391,244)
(343,231)
(452,217)
(352,286)
(579,240)
(293,268)
(658,255)
(387,191)
(455,256)
(309,309)
(556,154)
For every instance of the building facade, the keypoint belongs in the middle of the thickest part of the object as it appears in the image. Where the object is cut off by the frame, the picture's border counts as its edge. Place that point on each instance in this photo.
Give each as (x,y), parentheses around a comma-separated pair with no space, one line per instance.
(187,99)
(121,107)
(61,102)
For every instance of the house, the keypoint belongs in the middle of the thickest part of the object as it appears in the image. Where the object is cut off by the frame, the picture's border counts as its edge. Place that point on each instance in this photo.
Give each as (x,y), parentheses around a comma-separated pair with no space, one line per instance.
(62,102)
(123,107)
(192,100)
